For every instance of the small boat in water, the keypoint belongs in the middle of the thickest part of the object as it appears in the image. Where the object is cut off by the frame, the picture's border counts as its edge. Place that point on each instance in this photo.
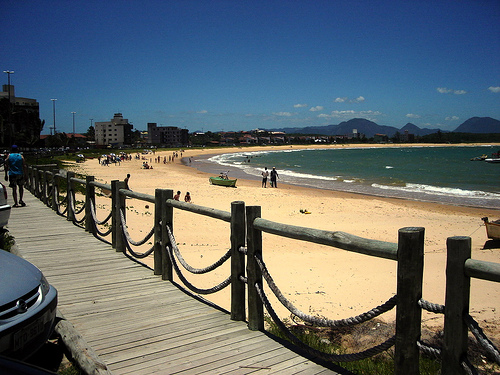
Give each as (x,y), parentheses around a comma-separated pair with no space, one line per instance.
(495,158)
(479,158)
(223,180)
(492,228)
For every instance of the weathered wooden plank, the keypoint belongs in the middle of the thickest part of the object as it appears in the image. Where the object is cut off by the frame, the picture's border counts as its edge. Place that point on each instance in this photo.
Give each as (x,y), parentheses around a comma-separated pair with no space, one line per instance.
(266,362)
(202,362)
(157,362)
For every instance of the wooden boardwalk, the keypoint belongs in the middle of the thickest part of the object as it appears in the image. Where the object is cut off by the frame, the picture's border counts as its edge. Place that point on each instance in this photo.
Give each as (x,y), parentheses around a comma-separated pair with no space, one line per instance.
(134,321)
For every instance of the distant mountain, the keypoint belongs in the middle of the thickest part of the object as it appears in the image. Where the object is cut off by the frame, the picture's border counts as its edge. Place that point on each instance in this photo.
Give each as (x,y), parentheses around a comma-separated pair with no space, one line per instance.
(479,125)
(364,126)
(414,129)
(370,128)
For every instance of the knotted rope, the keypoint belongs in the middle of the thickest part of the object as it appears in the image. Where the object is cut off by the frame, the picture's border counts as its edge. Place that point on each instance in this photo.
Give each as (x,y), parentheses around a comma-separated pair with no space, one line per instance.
(431,307)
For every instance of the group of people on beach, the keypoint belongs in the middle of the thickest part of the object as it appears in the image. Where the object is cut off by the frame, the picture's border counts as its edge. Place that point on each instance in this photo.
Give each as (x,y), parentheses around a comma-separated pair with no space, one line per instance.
(187,197)
(274,176)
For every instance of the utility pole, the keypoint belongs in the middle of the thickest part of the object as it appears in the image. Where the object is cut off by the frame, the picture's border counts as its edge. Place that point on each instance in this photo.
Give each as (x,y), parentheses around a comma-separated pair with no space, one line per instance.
(9,72)
(54,112)
(73,124)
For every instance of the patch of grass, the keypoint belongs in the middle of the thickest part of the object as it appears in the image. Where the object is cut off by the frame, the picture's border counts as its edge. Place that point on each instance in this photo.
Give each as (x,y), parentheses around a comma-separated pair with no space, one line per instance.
(352,340)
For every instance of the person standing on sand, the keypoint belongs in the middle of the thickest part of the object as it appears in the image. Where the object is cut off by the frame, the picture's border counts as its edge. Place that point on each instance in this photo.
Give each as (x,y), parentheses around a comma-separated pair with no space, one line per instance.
(177,196)
(265,174)
(274,176)
(126,181)
(187,197)
(15,170)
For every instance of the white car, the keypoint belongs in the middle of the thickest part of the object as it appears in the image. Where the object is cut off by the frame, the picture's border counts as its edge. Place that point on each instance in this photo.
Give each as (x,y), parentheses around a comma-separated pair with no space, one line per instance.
(4,207)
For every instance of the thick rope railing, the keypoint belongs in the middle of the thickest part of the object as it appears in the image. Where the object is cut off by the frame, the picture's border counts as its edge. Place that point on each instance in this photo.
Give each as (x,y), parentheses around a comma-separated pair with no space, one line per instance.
(468,367)
(190,286)
(328,357)
(189,268)
(94,217)
(430,350)
(100,233)
(139,255)
(323,322)
(481,338)
(127,234)
(128,240)
(431,307)
(75,210)
(60,203)
(95,222)
(49,194)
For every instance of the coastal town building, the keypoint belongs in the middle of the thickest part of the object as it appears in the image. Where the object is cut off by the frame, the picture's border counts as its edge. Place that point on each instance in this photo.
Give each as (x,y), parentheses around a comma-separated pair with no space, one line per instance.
(21,118)
(19,103)
(167,135)
(117,132)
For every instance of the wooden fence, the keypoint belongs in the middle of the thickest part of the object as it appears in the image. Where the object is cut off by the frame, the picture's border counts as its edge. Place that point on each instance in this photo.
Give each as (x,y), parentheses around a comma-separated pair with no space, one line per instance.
(248,269)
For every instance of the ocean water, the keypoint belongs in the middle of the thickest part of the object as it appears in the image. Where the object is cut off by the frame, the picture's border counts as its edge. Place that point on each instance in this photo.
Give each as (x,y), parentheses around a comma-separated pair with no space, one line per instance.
(436,174)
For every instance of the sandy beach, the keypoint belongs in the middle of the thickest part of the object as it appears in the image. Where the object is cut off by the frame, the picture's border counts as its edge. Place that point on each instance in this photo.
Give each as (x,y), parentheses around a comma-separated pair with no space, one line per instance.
(318,279)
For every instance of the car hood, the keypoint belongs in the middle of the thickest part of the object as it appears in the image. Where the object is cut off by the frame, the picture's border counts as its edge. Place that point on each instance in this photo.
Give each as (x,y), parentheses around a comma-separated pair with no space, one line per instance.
(18,277)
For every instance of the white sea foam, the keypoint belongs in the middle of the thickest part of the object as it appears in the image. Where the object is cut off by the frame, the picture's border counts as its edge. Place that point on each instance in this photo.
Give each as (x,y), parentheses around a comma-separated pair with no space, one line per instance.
(438,190)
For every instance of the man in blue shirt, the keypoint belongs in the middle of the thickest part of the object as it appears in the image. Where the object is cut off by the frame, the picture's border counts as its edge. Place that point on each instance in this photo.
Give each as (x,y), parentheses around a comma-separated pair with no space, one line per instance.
(15,169)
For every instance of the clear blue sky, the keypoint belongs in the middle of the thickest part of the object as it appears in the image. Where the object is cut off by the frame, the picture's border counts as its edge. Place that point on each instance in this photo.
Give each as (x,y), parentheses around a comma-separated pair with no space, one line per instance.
(239,65)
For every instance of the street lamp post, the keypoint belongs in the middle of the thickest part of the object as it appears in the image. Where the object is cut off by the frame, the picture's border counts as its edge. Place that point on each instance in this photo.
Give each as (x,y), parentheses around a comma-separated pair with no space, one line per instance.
(9,72)
(54,112)
(73,124)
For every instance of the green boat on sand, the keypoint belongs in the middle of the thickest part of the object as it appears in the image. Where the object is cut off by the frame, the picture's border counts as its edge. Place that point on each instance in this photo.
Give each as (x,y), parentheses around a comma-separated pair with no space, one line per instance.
(223,180)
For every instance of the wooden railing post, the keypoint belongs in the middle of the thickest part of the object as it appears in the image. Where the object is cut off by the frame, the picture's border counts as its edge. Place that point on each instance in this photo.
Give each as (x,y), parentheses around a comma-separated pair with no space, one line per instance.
(254,274)
(167,218)
(409,292)
(55,189)
(36,176)
(69,194)
(89,202)
(44,186)
(29,179)
(113,212)
(456,305)
(158,230)
(237,260)
(119,205)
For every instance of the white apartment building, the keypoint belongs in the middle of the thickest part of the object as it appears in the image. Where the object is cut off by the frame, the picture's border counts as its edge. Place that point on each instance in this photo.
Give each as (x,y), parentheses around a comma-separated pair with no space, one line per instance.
(116,132)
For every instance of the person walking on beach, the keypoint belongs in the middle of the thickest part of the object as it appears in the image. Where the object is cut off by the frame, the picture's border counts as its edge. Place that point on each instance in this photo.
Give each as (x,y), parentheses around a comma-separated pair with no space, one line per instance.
(15,170)
(265,174)
(274,176)
(177,196)
(126,181)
